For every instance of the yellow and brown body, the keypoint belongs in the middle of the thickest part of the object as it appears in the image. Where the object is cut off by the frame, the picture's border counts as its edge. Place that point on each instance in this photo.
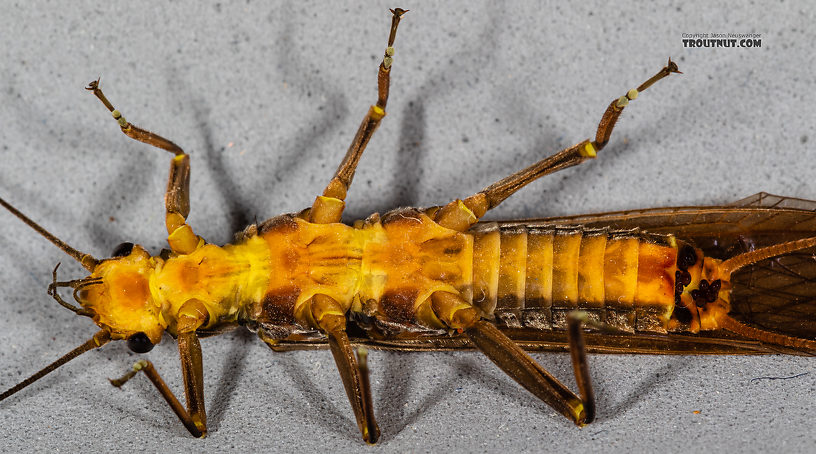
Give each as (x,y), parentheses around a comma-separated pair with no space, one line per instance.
(384,271)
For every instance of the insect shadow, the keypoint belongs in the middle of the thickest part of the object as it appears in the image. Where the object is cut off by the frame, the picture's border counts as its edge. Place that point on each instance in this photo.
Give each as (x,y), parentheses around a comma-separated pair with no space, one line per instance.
(232,369)
(651,381)
(393,408)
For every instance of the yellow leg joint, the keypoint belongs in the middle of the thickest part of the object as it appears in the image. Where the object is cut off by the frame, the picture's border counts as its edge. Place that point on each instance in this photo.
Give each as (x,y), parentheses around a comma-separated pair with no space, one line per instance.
(478,204)
(336,189)
(120,119)
(328,313)
(327,210)
(453,310)
(579,416)
(199,425)
(376,113)
(173,221)
(183,240)
(456,215)
(588,150)
(191,316)
(101,338)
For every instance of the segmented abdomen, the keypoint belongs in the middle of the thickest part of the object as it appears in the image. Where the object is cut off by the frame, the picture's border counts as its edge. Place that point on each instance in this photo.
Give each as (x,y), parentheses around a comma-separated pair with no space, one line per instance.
(533,275)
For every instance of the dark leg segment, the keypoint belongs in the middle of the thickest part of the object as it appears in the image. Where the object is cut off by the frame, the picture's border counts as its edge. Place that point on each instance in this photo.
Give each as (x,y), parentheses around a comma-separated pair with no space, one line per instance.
(328,207)
(522,368)
(99,339)
(613,112)
(193,373)
(134,132)
(515,362)
(580,365)
(191,316)
(146,366)
(365,390)
(181,238)
(331,318)
(460,215)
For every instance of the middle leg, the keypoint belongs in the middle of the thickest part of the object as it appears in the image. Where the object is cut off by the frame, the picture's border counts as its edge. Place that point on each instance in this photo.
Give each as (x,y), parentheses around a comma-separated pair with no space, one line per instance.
(328,208)
(330,317)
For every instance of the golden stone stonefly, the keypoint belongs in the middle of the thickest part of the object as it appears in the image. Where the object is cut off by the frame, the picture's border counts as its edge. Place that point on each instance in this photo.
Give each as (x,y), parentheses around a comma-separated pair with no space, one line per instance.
(685,280)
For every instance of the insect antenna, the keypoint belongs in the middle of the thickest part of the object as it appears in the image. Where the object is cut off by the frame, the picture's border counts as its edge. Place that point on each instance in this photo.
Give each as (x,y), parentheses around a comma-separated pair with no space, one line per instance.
(729,323)
(86,260)
(798,345)
(99,339)
(731,265)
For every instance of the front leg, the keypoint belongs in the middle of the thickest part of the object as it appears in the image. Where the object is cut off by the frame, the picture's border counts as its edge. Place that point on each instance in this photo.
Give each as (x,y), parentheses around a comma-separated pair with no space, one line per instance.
(181,238)
(152,374)
(192,315)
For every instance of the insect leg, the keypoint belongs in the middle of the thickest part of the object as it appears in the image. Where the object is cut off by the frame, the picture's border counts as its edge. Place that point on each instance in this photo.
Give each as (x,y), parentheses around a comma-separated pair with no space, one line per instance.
(192,315)
(613,112)
(152,374)
(461,214)
(331,318)
(515,362)
(328,207)
(181,238)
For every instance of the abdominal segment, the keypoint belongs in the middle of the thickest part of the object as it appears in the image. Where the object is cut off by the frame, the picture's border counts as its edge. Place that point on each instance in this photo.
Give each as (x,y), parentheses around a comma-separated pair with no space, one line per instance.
(533,276)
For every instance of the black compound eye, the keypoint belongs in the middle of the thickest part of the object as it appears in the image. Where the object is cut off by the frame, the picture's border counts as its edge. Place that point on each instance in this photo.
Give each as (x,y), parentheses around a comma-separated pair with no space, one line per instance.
(686,258)
(139,343)
(123,250)
(682,314)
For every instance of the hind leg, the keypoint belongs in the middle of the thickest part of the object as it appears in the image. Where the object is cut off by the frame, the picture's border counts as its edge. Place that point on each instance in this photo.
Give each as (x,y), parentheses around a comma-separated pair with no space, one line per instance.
(461,214)
(458,314)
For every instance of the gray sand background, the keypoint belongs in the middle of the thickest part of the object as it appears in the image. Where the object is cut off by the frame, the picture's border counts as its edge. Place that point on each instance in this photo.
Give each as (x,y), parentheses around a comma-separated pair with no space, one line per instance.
(266,98)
